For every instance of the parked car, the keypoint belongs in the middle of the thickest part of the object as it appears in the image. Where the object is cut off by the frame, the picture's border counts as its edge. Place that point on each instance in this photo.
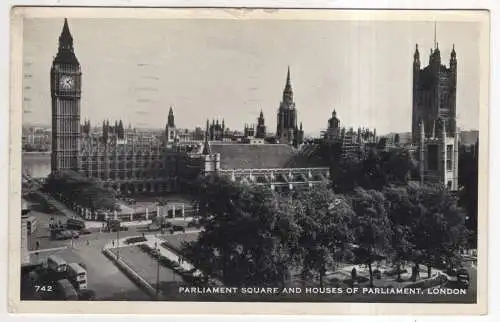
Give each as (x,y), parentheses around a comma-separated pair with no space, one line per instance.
(84,231)
(153,227)
(63,235)
(463,277)
(175,228)
(75,234)
(194,223)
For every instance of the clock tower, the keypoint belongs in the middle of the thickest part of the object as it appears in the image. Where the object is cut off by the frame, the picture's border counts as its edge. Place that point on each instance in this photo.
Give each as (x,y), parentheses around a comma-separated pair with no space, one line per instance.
(65,88)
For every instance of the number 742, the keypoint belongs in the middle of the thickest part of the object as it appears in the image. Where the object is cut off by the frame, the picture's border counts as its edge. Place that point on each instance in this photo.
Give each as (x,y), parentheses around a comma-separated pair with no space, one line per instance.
(43,288)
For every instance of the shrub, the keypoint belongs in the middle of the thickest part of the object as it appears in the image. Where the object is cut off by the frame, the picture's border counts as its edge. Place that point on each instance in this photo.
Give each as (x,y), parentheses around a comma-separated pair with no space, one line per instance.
(428,283)
(134,240)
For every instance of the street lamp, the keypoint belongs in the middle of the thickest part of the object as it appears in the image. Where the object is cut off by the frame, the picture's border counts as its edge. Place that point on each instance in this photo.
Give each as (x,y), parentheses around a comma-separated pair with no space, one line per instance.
(118,242)
(157,251)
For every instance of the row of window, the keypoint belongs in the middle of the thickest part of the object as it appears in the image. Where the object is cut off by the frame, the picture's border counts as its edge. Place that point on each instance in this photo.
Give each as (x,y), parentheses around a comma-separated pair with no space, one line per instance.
(66,162)
(113,165)
(122,175)
(121,158)
(66,144)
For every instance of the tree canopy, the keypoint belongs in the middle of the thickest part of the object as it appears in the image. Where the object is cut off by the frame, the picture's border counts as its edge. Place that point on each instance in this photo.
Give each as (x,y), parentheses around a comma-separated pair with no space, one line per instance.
(81,190)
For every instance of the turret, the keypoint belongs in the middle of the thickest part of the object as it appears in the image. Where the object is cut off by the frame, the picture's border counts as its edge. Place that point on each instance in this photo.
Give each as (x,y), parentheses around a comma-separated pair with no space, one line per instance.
(171,119)
(416,58)
(453,62)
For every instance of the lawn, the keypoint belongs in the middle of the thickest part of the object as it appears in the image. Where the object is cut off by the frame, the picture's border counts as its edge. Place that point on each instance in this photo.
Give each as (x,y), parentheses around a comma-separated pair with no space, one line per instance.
(175,241)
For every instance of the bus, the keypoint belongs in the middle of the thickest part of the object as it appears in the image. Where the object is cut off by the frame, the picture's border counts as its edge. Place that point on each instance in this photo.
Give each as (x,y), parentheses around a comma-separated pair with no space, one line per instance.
(57,264)
(25,208)
(65,290)
(31,224)
(78,275)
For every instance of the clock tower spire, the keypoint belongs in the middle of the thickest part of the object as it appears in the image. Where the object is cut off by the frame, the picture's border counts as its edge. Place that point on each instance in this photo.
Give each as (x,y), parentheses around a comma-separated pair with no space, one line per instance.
(65,89)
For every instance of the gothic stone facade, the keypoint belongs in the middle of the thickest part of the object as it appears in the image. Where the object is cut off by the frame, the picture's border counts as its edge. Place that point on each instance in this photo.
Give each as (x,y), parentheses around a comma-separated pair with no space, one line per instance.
(65,88)
(434,128)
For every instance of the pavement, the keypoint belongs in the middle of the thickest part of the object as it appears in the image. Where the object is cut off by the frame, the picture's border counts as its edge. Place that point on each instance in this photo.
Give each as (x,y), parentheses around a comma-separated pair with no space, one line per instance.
(154,242)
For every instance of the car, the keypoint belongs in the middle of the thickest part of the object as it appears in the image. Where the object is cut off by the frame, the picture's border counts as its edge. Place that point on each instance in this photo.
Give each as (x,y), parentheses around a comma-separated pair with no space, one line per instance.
(63,235)
(153,227)
(74,234)
(85,231)
(463,277)
(194,223)
(175,228)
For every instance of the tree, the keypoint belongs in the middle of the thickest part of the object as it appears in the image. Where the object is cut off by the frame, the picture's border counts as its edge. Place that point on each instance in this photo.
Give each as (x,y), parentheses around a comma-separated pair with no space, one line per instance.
(397,164)
(345,173)
(372,228)
(439,229)
(81,190)
(250,235)
(372,175)
(325,219)
(373,169)
(400,212)
(468,180)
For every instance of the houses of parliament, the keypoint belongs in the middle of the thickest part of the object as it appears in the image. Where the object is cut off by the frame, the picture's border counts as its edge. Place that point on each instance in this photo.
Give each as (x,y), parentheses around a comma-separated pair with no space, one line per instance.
(130,166)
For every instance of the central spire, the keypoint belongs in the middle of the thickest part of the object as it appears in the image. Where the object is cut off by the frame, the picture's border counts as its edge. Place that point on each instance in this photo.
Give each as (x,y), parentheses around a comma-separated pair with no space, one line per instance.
(288,92)
(435,35)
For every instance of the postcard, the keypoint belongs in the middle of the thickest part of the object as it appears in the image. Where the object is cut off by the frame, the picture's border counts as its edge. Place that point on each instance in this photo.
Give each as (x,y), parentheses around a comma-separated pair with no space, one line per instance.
(256,161)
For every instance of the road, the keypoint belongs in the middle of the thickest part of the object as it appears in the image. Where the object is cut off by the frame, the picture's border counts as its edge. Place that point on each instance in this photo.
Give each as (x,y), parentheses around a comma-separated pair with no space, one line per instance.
(147,267)
(103,276)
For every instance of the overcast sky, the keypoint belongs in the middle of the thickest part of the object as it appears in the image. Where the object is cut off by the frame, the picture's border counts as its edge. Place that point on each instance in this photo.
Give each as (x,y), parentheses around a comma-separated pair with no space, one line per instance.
(135,69)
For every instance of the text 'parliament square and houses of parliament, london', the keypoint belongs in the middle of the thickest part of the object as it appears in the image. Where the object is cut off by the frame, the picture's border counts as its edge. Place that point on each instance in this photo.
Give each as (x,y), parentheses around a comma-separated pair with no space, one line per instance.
(123,159)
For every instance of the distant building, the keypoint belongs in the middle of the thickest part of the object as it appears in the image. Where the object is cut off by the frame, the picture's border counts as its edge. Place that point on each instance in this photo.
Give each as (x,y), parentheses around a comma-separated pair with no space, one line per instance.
(171,134)
(216,131)
(261,127)
(434,128)
(350,141)
(333,132)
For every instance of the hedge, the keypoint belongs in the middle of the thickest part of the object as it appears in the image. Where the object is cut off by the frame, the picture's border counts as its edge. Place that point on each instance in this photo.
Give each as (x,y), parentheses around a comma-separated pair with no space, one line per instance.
(134,240)
(187,275)
(428,283)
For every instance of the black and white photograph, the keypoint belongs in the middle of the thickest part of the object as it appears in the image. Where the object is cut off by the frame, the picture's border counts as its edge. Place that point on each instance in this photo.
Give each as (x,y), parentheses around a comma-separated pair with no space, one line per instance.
(277,156)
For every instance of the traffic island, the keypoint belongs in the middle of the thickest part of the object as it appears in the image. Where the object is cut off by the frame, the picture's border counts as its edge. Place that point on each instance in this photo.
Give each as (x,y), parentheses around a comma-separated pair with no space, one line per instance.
(131,274)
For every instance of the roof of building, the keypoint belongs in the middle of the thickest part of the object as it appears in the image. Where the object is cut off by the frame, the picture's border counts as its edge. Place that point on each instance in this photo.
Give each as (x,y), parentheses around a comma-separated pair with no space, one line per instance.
(254,156)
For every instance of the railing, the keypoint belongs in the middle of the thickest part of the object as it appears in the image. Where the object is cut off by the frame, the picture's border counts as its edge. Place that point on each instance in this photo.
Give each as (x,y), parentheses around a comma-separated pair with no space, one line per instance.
(273,170)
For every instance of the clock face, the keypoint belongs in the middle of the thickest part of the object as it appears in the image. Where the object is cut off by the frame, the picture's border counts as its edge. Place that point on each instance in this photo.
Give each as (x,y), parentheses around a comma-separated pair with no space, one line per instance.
(66,82)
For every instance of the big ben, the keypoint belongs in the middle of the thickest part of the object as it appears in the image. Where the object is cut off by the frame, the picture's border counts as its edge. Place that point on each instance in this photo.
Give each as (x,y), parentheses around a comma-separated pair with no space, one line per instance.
(65,87)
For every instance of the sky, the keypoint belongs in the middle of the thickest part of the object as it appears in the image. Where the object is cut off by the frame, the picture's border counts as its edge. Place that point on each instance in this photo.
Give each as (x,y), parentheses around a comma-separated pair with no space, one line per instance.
(135,69)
